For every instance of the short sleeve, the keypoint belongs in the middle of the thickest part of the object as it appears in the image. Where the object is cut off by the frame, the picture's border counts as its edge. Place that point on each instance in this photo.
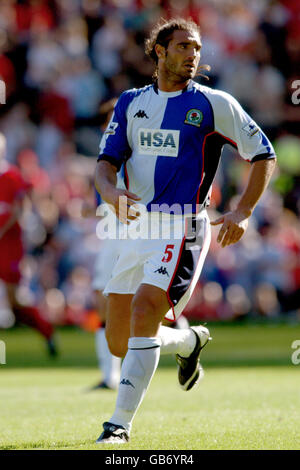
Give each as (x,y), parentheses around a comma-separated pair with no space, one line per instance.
(114,145)
(237,127)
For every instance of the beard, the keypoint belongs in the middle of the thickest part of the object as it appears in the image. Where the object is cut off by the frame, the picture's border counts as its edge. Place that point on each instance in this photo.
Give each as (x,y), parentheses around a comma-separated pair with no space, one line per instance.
(177,72)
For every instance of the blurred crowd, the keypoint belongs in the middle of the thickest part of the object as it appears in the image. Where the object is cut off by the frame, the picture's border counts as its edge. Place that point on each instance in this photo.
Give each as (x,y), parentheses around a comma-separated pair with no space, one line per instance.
(60,59)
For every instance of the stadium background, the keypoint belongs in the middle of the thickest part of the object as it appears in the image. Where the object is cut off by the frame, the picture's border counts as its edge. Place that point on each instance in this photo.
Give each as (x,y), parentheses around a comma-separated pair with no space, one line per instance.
(61,59)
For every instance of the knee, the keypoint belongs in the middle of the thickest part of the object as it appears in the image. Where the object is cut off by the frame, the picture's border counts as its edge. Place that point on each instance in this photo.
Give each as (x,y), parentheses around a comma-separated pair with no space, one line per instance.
(149,300)
(145,316)
(141,307)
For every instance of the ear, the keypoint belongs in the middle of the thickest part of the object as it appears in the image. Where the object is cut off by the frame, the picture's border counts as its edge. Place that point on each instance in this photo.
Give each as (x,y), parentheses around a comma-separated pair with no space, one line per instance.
(160,51)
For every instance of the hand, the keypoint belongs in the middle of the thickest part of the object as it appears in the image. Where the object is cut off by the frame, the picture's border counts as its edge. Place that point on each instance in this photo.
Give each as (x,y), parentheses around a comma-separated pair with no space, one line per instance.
(122,201)
(235,224)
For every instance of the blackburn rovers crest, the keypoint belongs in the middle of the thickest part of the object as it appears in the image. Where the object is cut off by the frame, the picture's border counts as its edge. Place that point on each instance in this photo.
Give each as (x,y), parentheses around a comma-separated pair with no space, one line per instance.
(194,117)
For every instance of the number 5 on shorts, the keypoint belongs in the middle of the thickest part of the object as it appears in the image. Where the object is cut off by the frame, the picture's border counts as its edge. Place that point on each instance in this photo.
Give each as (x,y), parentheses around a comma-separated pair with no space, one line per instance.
(168,253)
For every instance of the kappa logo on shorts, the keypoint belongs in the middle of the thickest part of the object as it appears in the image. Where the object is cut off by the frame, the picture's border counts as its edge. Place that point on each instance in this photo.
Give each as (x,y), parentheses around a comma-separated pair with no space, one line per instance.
(158,142)
(194,117)
(162,270)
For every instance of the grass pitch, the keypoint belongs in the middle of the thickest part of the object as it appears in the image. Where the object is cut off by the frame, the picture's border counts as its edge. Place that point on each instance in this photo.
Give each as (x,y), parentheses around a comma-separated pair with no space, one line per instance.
(249,398)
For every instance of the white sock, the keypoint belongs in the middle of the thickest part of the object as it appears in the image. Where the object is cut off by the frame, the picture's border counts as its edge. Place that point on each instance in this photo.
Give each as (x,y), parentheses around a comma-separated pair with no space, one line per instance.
(137,371)
(181,323)
(110,365)
(112,372)
(175,341)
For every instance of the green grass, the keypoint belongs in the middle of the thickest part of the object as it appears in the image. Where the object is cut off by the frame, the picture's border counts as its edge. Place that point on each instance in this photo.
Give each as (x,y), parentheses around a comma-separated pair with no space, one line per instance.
(249,398)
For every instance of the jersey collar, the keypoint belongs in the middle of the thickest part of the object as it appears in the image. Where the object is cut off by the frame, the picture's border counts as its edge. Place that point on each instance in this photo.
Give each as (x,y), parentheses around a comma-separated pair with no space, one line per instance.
(172,94)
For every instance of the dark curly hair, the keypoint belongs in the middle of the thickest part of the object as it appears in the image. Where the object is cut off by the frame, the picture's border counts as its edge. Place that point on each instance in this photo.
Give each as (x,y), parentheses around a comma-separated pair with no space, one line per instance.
(162,34)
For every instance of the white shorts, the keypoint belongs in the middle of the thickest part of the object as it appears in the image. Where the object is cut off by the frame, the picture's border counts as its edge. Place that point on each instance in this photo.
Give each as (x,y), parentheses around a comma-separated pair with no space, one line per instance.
(105,262)
(173,264)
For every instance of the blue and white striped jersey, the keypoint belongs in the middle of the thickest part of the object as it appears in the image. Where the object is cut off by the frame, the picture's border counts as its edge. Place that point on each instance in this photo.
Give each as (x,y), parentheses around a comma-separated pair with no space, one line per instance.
(171,142)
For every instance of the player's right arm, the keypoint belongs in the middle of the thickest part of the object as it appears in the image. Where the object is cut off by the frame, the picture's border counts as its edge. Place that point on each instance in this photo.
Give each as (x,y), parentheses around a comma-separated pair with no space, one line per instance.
(114,148)
(120,199)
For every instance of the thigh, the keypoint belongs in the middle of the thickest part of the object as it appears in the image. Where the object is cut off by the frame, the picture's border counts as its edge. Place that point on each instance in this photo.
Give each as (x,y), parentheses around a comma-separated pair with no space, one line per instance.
(118,318)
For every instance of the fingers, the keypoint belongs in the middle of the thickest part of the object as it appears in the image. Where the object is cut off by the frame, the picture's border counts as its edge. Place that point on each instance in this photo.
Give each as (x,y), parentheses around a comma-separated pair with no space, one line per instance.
(122,201)
(127,210)
(130,195)
(222,233)
(126,215)
(232,229)
(230,237)
(125,201)
(133,210)
(229,234)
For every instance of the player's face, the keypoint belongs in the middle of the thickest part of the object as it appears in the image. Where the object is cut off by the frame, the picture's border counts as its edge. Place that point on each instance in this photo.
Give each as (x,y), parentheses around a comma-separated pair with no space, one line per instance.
(182,55)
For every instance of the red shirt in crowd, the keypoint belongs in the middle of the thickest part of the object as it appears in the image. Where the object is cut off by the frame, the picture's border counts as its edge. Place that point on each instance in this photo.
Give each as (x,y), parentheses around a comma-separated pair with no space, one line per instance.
(12,189)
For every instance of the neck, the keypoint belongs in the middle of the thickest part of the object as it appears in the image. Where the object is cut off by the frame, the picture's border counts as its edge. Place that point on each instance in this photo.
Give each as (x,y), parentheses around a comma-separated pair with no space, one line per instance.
(165,84)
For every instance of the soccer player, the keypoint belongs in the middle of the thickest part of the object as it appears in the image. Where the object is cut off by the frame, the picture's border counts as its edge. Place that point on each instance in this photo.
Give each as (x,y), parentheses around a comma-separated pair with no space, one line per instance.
(12,191)
(170,135)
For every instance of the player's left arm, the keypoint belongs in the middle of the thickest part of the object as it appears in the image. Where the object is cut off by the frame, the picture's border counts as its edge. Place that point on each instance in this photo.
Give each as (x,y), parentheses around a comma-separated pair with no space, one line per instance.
(237,127)
(235,223)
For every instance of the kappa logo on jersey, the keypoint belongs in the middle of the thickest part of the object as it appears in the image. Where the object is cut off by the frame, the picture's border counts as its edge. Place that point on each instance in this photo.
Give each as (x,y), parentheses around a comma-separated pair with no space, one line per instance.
(194,117)
(141,114)
(111,129)
(251,129)
(159,142)
(162,270)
